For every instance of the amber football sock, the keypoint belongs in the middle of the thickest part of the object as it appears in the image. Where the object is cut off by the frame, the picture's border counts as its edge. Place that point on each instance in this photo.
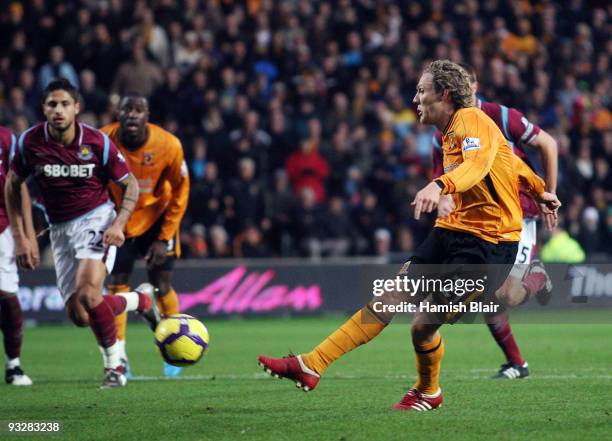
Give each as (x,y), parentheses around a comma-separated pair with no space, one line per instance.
(428,361)
(359,329)
(121,319)
(168,304)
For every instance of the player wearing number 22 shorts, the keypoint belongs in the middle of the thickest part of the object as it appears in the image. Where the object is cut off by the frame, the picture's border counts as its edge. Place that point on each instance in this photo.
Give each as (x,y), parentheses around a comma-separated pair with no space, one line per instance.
(72,165)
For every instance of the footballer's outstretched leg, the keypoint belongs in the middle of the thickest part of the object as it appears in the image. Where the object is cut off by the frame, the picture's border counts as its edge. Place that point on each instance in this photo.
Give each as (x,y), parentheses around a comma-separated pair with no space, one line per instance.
(306,369)
(291,367)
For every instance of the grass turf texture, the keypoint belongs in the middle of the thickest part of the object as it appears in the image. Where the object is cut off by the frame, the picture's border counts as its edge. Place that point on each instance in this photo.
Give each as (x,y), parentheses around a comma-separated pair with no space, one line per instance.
(227,396)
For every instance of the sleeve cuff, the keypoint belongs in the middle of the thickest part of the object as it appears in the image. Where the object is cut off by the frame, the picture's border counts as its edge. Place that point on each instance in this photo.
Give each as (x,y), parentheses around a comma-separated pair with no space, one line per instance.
(444,183)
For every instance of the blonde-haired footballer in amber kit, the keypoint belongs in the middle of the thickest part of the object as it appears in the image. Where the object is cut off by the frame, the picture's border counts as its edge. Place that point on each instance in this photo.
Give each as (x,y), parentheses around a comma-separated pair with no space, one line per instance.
(484,228)
(155,157)
(528,277)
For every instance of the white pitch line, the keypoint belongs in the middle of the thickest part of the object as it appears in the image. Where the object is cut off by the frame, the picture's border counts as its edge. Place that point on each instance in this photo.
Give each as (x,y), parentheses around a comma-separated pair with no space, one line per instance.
(264,376)
(210,377)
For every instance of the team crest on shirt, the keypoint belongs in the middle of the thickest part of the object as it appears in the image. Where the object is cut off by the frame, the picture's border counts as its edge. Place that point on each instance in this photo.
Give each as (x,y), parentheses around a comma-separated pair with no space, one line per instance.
(85,152)
(147,158)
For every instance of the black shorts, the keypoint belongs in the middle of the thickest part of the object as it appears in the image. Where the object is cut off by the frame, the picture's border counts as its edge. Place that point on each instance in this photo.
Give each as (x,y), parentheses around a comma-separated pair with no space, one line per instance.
(448,254)
(137,247)
(448,246)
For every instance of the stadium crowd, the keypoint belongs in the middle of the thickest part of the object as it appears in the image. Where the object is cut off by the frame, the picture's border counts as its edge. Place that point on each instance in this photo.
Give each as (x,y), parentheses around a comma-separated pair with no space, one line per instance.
(296,116)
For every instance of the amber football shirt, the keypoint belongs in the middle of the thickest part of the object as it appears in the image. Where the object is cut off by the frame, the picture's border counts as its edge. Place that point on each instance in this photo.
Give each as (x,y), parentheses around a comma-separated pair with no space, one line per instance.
(163,180)
(481,174)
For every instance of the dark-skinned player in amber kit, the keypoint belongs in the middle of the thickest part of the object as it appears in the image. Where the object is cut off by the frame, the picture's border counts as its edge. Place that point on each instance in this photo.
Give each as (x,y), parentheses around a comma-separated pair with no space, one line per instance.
(156,158)
(72,165)
(485,229)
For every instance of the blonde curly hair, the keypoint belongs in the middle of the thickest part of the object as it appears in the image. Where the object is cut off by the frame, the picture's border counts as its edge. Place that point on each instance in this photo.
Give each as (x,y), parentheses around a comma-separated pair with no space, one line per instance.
(454,78)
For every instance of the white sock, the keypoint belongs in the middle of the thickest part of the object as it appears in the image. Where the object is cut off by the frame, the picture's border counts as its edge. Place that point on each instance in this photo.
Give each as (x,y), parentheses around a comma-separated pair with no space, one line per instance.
(121,345)
(111,356)
(132,299)
(12,363)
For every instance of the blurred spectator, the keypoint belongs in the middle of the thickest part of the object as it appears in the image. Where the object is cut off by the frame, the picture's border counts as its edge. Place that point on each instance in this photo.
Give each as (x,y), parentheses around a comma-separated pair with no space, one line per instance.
(138,75)
(279,207)
(219,243)
(17,107)
(246,195)
(188,52)
(250,244)
(251,141)
(94,100)
(154,36)
(337,229)
(307,224)
(197,241)
(206,198)
(197,165)
(368,217)
(590,234)
(562,248)
(57,67)
(167,100)
(340,157)
(382,242)
(280,141)
(405,240)
(27,82)
(307,168)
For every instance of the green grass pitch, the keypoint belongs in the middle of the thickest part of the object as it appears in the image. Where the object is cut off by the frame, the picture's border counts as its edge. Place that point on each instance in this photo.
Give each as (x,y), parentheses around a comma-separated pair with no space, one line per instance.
(227,396)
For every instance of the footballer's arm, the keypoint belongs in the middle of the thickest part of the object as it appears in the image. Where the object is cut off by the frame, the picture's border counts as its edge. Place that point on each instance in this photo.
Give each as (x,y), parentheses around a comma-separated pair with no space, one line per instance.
(178,176)
(28,222)
(129,187)
(547,145)
(26,251)
(475,166)
(548,202)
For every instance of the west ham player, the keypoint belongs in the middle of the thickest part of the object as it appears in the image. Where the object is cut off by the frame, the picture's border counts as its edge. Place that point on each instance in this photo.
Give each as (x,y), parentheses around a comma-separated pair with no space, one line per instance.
(527,278)
(484,228)
(11,315)
(72,164)
(155,156)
